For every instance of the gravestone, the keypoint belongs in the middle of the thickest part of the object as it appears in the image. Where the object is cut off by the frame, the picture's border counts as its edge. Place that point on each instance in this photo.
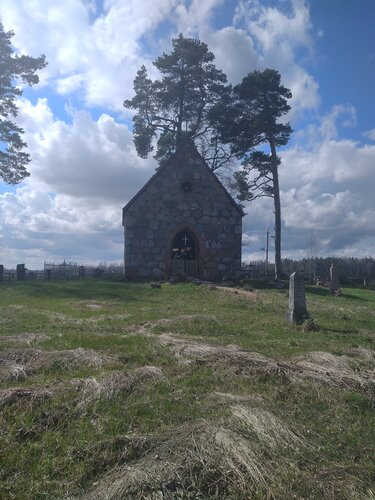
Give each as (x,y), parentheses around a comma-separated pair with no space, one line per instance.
(21,272)
(297,299)
(1,272)
(334,282)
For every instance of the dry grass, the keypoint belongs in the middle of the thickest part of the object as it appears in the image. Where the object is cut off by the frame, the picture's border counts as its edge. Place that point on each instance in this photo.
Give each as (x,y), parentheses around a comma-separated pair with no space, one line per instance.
(90,305)
(339,481)
(239,291)
(64,320)
(207,460)
(342,371)
(346,371)
(191,350)
(191,462)
(112,385)
(24,338)
(147,327)
(269,429)
(17,364)
(33,395)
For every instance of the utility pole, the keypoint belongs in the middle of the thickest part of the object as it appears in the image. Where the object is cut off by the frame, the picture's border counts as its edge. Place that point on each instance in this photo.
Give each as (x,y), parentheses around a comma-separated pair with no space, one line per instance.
(267,242)
(266,249)
(312,247)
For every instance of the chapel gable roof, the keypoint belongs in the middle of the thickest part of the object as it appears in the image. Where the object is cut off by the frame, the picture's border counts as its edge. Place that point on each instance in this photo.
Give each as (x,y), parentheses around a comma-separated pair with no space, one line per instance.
(185,152)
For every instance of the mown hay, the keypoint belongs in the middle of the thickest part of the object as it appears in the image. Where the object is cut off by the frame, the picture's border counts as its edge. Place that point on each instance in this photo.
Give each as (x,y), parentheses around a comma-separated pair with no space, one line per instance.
(16,395)
(192,351)
(23,338)
(192,462)
(346,371)
(362,354)
(239,291)
(269,429)
(16,364)
(114,384)
(340,481)
(343,371)
(11,370)
(206,461)
(147,328)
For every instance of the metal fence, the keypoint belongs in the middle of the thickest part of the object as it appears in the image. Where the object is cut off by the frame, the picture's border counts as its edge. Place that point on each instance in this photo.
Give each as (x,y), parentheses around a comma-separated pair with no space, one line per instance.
(61,271)
(258,271)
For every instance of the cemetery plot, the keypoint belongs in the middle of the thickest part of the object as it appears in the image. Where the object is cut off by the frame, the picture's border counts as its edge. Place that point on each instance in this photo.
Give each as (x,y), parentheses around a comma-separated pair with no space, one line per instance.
(184,391)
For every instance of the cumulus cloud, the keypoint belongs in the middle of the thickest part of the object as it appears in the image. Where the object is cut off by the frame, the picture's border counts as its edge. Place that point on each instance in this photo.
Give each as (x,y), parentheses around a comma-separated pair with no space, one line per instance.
(346,114)
(278,36)
(193,18)
(329,190)
(97,56)
(86,159)
(82,174)
(370,134)
(90,52)
(38,226)
(235,52)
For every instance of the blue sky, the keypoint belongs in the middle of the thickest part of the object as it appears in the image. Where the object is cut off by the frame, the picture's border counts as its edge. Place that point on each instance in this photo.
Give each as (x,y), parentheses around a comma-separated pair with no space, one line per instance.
(84,166)
(345,66)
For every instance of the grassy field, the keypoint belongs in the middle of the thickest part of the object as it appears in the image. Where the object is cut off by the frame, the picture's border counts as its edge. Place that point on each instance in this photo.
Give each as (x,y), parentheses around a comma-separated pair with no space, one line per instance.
(111,390)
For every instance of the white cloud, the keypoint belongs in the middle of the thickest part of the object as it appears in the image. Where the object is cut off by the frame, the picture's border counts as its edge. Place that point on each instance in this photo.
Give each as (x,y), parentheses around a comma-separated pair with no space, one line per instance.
(326,127)
(37,226)
(250,239)
(271,24)
(326,190)
(329,189)
(329,123)
(193,18)
(97,56)
(82,174)
(277,36)
(370,134)
(234,51)
(87,159)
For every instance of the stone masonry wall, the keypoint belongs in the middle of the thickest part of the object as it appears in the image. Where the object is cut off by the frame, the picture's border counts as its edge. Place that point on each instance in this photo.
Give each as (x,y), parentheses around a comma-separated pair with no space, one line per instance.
(165,206)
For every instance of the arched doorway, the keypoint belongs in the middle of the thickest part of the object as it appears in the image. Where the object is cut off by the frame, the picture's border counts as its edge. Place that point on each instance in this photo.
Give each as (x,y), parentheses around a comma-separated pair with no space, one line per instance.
(184,254)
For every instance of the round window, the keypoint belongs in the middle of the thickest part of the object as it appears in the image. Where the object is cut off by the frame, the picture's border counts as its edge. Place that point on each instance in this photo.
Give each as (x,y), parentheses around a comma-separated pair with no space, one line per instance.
(186,187)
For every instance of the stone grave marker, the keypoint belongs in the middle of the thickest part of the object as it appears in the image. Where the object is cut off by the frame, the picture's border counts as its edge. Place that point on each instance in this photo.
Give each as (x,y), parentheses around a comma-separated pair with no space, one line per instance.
(21,272)
(334,281)
(297,312)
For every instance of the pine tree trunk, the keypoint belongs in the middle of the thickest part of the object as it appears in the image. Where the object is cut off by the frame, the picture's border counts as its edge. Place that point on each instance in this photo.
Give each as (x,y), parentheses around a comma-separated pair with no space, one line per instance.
(277,205)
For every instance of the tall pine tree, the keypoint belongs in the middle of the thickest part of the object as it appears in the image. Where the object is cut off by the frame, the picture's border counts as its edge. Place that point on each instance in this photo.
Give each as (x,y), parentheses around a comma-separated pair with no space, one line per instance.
(13,68)
(175,107)
(249,123)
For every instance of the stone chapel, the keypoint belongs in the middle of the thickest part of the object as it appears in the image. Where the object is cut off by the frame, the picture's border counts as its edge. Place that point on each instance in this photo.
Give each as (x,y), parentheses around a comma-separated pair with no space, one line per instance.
(183,223)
